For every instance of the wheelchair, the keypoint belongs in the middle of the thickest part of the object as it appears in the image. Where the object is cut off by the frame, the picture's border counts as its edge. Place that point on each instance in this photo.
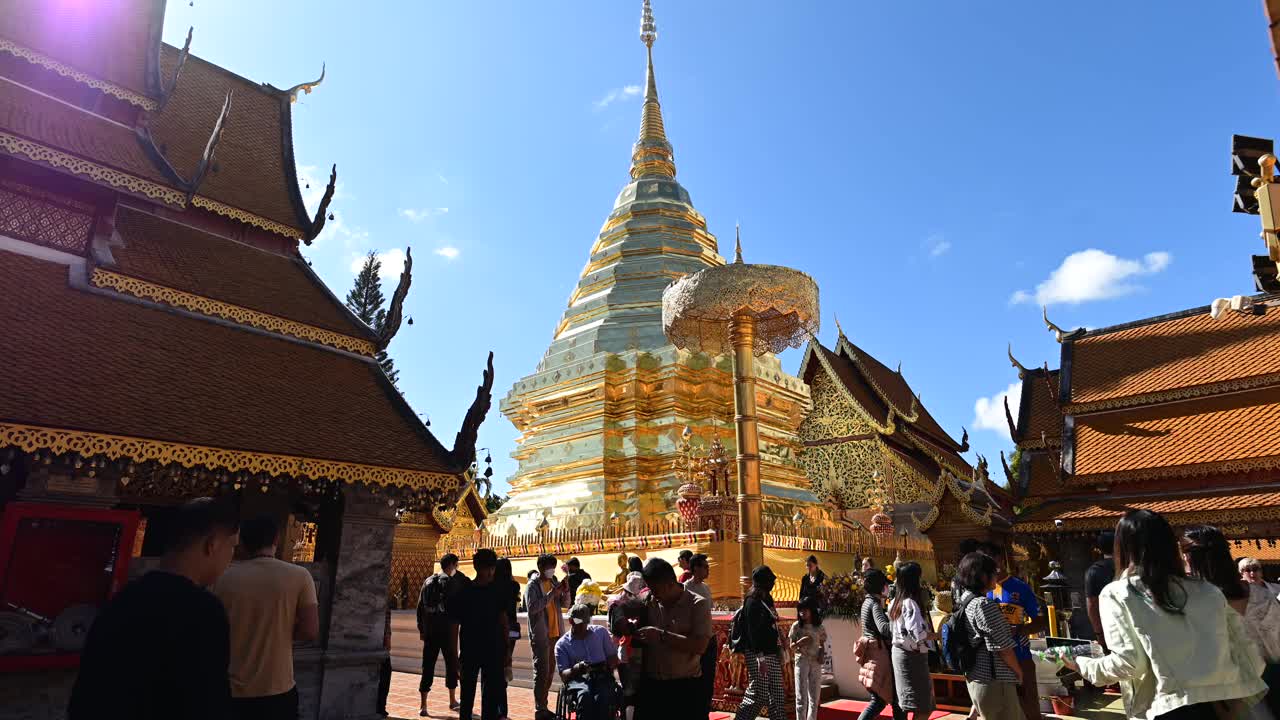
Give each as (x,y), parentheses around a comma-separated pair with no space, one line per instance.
(567,702)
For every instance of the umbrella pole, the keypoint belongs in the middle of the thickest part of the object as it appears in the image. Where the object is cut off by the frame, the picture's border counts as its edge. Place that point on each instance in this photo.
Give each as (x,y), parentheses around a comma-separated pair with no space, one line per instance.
(742,329)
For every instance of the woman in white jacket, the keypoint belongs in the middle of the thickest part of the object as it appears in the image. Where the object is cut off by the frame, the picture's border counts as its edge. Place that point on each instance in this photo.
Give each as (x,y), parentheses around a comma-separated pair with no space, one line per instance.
(1177,649)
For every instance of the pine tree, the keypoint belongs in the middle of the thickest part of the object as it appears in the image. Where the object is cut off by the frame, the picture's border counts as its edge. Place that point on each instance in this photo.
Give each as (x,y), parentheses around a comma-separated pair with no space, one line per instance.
(366,301)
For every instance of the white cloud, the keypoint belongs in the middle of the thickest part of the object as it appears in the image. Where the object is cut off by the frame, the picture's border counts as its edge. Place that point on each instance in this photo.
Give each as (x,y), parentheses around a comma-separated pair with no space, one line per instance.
(418,215)
(1093,275)
(622,93)
(392,263)
(937,245)
(988,412)
(448,252)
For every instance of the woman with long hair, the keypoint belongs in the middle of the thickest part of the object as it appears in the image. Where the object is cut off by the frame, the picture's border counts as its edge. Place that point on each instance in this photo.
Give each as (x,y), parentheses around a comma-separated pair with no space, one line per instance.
(762,648)
(913,636)
(1178,650)
(873,649)
(1208,557)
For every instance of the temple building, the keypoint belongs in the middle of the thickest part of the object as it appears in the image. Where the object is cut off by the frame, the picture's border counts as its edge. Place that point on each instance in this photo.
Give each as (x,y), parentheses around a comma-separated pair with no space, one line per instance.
(601,416)
(165,339)
(874,453)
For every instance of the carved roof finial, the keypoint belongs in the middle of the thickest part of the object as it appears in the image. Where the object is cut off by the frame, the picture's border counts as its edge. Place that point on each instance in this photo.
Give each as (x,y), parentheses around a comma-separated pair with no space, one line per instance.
(737,243)
(396,310)
(305,87)
(1022,371)
(317,222)
(964,439)
(1057,331)
(839,330)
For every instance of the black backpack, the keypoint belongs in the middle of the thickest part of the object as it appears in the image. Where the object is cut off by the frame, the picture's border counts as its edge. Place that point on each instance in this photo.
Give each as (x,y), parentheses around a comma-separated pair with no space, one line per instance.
(959,650)
(433,594)
(738,632)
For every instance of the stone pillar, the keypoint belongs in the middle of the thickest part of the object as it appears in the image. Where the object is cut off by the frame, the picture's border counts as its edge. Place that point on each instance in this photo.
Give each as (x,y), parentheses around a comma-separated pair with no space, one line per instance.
(354,648)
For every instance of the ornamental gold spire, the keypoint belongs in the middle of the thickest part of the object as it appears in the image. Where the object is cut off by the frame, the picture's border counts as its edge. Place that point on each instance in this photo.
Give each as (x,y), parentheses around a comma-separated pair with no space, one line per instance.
(652,157)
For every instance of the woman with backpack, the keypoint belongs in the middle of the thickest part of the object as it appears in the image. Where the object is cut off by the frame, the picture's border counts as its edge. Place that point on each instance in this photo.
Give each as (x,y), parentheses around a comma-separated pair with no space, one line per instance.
(980,643)
(1208,557)
(872,649)
(757,625)
(912,637)
(1178,650)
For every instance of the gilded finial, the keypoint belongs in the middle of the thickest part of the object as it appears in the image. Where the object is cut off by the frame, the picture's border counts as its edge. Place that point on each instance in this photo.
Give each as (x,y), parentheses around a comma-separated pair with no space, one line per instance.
(737,233)
(1022,371)
(1057,331)
(839,330)
(899,370)
(648,28)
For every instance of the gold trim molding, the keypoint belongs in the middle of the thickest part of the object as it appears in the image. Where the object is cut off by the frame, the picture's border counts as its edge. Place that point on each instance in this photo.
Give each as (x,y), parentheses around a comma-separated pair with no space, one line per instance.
(248,218)
(66,71)
(1182,393)
(30,438)
(1180,471)
(214,308)
(15,145)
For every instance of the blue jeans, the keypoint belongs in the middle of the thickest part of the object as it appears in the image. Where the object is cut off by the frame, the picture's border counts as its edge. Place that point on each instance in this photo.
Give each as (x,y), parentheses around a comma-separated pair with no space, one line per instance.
(876,704)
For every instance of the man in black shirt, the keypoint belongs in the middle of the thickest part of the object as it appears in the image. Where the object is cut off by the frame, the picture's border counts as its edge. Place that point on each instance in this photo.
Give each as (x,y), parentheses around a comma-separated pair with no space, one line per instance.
(1095,578)
(437,629)
(481,611)
(161,648)
(575,576)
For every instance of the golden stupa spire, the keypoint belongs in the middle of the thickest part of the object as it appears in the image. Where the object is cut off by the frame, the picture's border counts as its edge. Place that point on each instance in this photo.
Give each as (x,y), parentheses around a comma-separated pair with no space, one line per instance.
(652,157)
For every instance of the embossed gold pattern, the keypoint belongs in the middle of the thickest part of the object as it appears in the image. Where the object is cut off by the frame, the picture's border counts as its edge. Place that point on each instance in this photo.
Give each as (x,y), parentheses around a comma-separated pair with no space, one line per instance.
(48,63)
(1212,517)
(783,303)
(30,438)
(15,145)
(215,308)
(247,218)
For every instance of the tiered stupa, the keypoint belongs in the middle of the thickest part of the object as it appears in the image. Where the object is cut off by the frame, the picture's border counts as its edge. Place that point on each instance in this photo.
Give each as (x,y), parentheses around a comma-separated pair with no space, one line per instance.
(602,415)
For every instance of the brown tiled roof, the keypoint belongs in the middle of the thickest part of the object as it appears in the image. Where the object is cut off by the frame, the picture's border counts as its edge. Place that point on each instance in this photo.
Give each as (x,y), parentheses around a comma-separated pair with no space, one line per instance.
(1037,409)
(89,362)
(73,131)
(898,393)
(1182,352)
(1232,429)
(1043,479)
(187,259)
(1098,508)
(253,172)
(106,40)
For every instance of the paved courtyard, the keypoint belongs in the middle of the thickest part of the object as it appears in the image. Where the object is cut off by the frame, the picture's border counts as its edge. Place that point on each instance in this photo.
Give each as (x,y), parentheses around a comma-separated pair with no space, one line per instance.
(402,702)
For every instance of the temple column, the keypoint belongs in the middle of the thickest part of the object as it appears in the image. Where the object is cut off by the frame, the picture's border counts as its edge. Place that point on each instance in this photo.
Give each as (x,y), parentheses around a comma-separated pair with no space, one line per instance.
(354,648)
(742,329)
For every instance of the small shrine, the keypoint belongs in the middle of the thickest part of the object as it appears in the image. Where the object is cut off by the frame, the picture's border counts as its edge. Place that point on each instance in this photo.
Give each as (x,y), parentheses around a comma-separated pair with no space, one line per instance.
(882,464)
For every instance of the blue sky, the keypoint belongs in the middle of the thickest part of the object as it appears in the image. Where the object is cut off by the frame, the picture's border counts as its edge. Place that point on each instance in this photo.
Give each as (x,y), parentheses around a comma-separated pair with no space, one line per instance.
(940,168)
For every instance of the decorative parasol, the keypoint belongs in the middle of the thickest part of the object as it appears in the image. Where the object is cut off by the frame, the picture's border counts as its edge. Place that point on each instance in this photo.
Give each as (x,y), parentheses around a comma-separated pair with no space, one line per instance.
(748,310)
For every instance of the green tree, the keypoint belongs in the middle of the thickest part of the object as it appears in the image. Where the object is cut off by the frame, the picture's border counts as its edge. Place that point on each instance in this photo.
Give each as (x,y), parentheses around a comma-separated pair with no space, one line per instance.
(366,301)
(493,502)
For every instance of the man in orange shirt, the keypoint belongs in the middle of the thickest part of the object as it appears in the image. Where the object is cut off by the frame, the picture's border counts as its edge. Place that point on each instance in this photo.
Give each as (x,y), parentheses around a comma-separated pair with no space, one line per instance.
(544,598)
(270,604)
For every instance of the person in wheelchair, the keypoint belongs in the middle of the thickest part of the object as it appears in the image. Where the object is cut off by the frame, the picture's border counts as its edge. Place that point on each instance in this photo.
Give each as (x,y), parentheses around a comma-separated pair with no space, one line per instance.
(586,658)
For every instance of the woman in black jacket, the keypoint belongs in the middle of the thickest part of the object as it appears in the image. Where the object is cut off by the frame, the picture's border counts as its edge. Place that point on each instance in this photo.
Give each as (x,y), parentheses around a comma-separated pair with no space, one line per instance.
(759,623)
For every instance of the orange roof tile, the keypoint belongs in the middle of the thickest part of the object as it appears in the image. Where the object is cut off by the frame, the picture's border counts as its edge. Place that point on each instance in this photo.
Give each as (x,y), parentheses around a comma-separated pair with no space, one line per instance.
(91,362)
(1238,428)
(1099,512)
(1184,351)
(106,40)
(253,172)
(197,262)
(1038,413)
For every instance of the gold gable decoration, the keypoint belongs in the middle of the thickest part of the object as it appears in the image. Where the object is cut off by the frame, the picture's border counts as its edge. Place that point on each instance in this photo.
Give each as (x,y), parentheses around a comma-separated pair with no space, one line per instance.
(15,145)
(29,438)
(226,311)
(247,218)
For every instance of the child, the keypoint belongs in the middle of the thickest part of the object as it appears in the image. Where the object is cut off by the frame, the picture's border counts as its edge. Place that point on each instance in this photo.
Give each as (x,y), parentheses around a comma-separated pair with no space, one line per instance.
(808,643)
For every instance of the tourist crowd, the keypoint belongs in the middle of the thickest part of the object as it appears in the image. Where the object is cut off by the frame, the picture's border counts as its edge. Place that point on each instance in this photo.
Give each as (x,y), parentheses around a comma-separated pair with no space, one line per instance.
(1188,632)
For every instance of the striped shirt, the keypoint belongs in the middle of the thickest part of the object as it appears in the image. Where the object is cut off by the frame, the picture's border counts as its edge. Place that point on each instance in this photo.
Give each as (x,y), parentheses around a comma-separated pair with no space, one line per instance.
(990,632)
(875,622)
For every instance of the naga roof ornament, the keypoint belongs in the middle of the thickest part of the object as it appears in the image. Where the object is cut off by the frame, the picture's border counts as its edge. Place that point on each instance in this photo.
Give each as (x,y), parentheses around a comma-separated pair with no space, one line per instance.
(395,312)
